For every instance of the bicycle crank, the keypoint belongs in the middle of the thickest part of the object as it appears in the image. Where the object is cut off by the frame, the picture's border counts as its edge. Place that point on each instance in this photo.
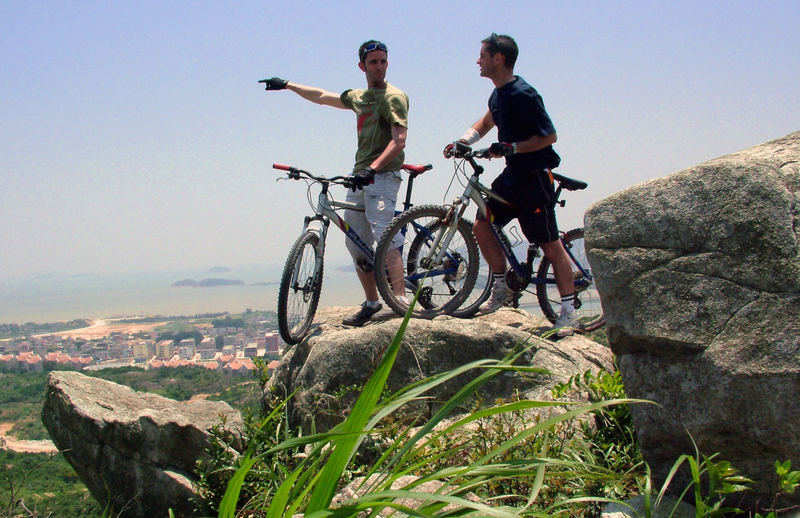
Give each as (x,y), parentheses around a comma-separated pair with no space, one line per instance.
(517,283)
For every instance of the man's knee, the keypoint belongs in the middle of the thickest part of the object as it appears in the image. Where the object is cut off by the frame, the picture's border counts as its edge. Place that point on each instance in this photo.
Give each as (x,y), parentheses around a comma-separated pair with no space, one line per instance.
(553,250)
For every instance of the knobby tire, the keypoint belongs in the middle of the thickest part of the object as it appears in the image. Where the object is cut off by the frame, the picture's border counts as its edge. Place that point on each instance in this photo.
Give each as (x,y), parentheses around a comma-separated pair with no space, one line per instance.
(587,299)
(301,285)
(448,285)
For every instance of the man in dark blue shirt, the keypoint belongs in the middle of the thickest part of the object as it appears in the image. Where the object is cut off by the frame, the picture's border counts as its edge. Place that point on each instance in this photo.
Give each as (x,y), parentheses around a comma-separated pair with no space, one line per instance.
(525,137)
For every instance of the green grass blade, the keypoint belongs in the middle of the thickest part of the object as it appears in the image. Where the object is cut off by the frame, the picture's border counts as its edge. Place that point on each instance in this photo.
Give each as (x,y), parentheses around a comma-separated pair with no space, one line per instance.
(227,507)
(344,447)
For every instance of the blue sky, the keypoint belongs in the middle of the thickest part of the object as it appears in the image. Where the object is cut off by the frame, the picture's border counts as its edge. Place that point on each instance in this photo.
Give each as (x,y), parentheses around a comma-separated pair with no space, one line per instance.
(135,136)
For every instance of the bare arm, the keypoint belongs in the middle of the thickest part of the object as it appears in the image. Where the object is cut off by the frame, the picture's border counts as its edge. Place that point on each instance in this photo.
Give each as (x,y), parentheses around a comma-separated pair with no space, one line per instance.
(484,124)
(316,95)
(393,148)
(535,143)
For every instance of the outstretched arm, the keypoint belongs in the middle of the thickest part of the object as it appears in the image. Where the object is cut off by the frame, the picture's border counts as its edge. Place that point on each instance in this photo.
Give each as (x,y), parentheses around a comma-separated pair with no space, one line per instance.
(316,95)
(310,93)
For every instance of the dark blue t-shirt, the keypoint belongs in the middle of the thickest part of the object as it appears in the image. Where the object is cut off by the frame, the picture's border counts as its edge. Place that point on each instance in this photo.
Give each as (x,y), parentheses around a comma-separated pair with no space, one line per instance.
(518,112)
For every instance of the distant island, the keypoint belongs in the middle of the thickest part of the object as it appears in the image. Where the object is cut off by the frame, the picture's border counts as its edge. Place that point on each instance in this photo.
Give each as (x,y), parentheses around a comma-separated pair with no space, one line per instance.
(206,283)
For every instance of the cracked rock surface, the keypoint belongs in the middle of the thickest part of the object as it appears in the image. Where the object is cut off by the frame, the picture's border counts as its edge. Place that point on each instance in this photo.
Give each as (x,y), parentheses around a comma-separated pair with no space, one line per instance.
(699,275)
(134,448)
(330,365)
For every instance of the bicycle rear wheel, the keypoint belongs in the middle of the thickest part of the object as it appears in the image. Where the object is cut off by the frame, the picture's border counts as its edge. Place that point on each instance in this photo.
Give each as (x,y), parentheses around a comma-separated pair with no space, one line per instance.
(587,299)
(443,285)
(301,285)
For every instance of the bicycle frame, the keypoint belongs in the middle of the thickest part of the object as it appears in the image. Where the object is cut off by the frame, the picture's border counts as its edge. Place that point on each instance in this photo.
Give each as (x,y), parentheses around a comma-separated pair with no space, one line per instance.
(325,212)
(473,192)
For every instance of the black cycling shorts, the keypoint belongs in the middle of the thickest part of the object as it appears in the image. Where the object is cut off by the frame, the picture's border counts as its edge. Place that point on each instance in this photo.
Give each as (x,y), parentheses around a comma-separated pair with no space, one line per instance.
(532,202)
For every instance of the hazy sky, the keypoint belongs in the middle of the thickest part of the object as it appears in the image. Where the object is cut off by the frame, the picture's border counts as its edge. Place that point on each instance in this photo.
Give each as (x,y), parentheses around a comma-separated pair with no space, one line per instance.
(134,135)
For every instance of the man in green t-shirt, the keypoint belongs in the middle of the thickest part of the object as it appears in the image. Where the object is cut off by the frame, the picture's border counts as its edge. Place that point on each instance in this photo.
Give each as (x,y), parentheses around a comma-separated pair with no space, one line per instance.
(382,122)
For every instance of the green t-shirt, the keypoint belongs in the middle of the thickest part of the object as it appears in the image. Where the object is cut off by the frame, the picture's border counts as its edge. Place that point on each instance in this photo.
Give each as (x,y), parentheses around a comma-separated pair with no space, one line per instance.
(377,110)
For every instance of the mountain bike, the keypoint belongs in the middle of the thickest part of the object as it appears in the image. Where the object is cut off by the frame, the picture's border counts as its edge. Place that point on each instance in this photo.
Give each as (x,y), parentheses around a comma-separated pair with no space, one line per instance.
(301,281)
(425,250)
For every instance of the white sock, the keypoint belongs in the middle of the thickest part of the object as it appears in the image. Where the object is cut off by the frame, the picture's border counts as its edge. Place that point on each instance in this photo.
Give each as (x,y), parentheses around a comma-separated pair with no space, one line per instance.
(372,304)
(568,303)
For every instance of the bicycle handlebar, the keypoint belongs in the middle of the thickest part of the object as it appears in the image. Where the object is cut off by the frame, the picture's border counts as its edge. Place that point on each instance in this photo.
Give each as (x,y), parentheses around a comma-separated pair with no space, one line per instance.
(296,174)
(461,150)
(347,181)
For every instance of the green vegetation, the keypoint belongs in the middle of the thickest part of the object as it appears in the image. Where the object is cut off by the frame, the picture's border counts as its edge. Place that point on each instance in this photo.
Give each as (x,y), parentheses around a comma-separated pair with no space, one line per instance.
(516,457)
(32,328)
(183,383)
(23,393)
(508,460)
(176,337)
(21,403)
(228,322)
(44,485)
(47,485)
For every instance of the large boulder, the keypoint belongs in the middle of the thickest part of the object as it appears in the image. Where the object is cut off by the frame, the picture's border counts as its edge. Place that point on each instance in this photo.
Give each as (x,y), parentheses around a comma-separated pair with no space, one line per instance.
(328,368)
(699,274)
(134,449)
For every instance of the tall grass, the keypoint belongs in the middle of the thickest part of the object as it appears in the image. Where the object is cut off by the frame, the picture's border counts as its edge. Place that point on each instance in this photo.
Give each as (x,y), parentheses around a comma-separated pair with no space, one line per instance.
(500,461)
(432,453)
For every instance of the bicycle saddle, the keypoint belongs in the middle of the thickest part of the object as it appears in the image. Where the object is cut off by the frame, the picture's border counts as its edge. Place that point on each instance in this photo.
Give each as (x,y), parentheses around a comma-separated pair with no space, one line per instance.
(416,170)
(570,184)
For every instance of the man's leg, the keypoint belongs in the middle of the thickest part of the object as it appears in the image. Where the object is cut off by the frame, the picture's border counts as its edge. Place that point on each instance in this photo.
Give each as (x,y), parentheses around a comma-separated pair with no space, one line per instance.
(493,254)
(380,199)
(368,283)
(489,246)
(394,262)
(562,266)
(567,321)
(358,223)
(394,265)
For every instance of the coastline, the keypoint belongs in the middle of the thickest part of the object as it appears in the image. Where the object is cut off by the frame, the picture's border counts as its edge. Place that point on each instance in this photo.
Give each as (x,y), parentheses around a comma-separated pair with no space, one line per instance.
(62,298)
(102,328)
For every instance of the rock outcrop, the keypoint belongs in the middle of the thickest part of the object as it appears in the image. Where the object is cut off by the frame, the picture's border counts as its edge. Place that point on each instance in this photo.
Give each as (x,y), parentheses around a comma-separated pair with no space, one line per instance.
(134,449)
(699,274)
(330,365)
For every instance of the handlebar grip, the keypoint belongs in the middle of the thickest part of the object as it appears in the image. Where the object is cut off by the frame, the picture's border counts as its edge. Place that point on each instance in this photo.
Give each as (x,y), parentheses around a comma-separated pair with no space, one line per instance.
(282,167)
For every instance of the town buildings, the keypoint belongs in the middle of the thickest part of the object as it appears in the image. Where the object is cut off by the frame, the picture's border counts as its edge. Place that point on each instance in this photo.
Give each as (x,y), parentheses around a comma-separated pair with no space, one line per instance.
(233,350)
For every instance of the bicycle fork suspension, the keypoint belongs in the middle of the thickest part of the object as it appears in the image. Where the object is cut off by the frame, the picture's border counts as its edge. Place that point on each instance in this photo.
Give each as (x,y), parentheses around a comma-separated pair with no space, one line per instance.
(307,285)
(442,240)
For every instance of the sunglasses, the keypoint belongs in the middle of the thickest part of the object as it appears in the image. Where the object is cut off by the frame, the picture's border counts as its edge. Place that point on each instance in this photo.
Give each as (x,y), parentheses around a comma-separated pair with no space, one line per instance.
(377,45)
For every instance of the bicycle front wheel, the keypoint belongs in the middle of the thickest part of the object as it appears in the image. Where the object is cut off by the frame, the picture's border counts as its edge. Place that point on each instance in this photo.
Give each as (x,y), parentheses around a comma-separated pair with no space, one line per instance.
(443,283)
(301,285)
(587,299)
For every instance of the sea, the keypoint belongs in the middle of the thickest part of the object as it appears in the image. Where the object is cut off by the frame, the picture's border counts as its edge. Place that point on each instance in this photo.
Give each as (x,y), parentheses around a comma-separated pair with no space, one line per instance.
(64,297)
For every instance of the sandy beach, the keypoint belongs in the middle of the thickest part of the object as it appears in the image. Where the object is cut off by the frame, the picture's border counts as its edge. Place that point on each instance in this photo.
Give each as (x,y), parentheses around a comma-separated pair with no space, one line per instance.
(103,328)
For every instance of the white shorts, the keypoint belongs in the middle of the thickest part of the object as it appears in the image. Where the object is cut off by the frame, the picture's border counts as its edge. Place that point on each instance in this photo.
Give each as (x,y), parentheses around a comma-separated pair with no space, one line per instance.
(379,199)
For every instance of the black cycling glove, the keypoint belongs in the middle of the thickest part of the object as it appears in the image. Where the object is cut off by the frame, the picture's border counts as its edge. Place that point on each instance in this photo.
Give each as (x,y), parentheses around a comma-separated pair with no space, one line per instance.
(274,83)
(362,178)
(501,149)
